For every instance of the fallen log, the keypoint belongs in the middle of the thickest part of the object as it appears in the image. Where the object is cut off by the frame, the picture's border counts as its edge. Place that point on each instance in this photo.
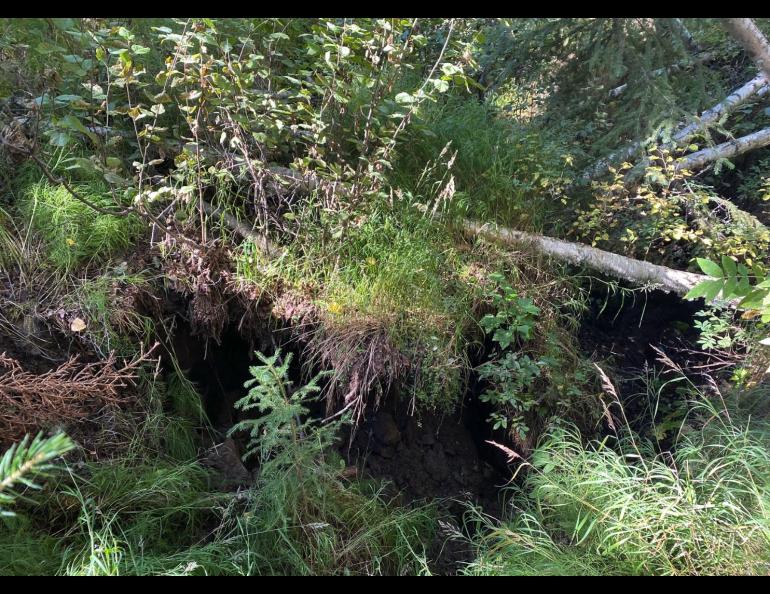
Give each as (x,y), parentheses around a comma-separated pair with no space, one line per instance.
(726,150)
(629,269)
(241,229)
(756,87)
(622,267)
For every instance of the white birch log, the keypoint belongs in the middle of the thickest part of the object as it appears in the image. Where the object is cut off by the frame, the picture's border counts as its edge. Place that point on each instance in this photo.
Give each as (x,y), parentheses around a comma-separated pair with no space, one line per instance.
(756,87)
(726,150)
(745,32)
(629,269)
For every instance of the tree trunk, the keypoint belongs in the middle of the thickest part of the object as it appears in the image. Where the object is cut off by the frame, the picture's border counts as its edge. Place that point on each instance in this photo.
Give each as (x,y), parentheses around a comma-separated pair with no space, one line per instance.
(757,86)
(678,27)
(745,32)
(629,269)
(755,43)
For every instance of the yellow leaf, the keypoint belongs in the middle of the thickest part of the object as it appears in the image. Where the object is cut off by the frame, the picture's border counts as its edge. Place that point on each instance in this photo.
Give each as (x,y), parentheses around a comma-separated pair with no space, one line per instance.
(335,308)
(751,314)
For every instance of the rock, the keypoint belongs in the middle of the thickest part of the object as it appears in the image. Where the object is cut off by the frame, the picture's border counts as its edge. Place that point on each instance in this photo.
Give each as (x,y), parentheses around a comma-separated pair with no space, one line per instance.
(225,461)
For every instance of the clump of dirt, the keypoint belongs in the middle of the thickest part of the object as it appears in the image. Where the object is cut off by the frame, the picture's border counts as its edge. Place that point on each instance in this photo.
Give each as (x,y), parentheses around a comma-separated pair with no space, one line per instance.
(626,329)
(437,459)
(429,457)
(33,359)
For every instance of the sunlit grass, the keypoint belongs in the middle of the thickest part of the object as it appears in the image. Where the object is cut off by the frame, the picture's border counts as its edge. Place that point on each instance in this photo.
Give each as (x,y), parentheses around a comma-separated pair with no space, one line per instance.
(620,508)
(73,233)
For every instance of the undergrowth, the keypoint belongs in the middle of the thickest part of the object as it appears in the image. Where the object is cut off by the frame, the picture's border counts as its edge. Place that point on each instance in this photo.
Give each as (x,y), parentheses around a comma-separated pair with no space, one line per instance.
(500,169)
(73,233)
(153,510)
(619,507)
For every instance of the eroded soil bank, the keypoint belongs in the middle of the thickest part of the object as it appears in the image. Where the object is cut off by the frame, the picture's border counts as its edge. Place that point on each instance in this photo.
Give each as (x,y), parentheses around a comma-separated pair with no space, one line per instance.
(448,456)
(442,457)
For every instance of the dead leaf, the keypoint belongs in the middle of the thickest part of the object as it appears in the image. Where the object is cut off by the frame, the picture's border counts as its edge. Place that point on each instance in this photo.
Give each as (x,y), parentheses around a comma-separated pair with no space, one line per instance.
(77,325)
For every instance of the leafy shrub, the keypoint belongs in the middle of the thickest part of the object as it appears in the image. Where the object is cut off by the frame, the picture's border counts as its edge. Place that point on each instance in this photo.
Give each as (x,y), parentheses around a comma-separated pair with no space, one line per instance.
(669,216)
(512,374)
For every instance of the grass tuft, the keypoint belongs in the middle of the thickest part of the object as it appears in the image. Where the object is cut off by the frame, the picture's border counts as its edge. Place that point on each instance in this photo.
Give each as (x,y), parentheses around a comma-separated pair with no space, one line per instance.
(73,233)
(699,510)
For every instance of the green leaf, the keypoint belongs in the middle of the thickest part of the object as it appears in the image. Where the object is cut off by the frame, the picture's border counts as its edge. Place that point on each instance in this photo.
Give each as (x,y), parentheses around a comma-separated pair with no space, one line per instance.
(450,69)
(440,85)
(754,300)
(731,285)
(60,138)
(710,268)
(74,123)
(113,178)
(728,265)
(707,289)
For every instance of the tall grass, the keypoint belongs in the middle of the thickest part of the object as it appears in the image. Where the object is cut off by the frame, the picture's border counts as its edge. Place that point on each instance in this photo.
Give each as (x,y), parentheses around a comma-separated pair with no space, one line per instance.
(74,234)
(502,170)
(621,508)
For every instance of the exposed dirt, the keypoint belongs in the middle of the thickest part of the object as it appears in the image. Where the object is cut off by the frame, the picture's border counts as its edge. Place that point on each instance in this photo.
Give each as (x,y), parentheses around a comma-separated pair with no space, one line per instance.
(434,457)
(428,457)
(625,334)
(438,459)
(627,329)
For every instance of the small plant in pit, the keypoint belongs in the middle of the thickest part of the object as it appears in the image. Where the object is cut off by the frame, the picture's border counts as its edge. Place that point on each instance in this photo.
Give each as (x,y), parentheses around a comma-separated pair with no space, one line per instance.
(511,374)
(276,434)
(717,330)
(749,290)
(302,517)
